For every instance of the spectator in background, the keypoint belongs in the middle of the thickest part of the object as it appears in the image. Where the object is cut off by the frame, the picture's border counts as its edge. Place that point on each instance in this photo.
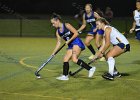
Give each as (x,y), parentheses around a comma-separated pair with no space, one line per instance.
(108,14)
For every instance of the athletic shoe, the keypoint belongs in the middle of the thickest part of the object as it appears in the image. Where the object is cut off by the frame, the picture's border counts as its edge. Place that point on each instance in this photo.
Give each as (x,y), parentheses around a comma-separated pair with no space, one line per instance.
(91,72)
(63,78)
(38,77)
(91,57)
(102,59)
(108,76)
(117,74)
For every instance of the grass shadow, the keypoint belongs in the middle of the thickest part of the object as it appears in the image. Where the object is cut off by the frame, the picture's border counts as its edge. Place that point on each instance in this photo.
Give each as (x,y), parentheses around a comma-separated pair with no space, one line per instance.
(125,74)
(136,62)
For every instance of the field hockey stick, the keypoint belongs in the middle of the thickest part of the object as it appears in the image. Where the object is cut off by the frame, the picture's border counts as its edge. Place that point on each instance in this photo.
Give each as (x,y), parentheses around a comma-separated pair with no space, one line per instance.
(81,68)
(49,59)
(84,31)
(92,61)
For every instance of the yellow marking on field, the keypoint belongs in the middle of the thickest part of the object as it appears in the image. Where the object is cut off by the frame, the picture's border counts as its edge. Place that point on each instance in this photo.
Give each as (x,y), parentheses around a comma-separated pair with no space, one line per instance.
(35,67)
(30,66)
(36,95)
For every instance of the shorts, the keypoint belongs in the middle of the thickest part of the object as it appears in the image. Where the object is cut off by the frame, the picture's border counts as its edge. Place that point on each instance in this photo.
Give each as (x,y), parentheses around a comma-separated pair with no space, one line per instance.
(138,35)
(137,29)
(100,32)
(76,41)
(123,46)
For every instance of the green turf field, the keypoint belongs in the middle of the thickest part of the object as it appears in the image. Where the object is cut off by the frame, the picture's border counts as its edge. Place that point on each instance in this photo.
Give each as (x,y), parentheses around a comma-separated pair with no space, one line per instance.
(20,57)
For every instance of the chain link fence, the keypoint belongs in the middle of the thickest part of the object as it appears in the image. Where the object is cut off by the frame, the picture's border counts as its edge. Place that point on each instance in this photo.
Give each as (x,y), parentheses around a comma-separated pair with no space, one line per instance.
(31,26)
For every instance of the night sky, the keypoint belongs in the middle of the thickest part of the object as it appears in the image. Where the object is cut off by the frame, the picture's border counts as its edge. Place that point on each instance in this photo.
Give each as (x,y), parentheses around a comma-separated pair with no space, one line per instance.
(121,8)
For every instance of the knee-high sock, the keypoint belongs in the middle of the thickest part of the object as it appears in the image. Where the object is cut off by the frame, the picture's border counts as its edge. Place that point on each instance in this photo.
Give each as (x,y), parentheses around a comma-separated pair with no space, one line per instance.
(115,70)
(83,64)
(90,47)
(65,68)
(111,64)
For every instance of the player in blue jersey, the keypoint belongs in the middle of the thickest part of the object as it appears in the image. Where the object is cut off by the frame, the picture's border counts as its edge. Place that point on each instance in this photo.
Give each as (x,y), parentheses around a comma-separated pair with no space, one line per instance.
(136,23)
(89,17)
(75,46)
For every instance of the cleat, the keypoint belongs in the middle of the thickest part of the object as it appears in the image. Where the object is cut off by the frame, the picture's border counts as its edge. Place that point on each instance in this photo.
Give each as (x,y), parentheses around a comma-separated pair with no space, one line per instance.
(117,74)
(63,78)
(108,76)
(38,77)
(91,72)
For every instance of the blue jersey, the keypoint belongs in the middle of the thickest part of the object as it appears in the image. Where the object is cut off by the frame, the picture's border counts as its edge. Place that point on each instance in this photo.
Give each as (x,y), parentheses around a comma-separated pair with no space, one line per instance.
(66,35)
(91,20)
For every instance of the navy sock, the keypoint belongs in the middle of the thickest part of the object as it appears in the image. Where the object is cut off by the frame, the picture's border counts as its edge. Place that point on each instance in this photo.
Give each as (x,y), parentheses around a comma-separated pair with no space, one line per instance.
(65,68)
(83,64)
(90,47)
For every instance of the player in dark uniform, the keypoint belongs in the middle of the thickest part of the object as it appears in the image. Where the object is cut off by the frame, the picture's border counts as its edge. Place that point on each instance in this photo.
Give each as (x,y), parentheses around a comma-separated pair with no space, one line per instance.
(89,17)
(75,46)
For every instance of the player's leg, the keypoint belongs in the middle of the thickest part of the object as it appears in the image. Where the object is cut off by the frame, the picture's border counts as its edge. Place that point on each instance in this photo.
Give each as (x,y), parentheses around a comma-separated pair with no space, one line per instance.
(98,41)
(114,52)
(116,73)
(75,53)
(88,40)
(66,59)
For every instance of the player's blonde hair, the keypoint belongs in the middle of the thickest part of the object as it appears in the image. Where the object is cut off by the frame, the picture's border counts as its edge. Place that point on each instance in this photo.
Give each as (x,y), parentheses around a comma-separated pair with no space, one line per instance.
(103,20)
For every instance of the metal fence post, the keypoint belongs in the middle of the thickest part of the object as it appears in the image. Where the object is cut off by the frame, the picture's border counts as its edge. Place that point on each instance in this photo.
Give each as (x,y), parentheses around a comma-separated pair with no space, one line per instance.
(20,21)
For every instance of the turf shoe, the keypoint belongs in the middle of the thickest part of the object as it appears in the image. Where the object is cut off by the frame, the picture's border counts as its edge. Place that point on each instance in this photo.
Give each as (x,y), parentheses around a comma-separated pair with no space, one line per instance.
(91,72)
(63,78)
(108,76)
(117,74)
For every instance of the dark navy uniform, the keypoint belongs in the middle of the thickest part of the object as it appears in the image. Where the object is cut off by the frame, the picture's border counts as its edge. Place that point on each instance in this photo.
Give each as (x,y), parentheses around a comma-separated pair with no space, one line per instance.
(91,21)
(66,35)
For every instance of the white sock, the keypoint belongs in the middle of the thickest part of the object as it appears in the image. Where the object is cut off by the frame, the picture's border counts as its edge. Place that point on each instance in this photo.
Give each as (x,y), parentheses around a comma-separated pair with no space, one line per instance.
(115,72)
(111,64)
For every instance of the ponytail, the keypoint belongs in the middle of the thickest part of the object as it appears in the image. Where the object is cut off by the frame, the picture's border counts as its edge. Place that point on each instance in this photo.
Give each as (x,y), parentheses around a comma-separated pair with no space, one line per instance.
(103,20)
